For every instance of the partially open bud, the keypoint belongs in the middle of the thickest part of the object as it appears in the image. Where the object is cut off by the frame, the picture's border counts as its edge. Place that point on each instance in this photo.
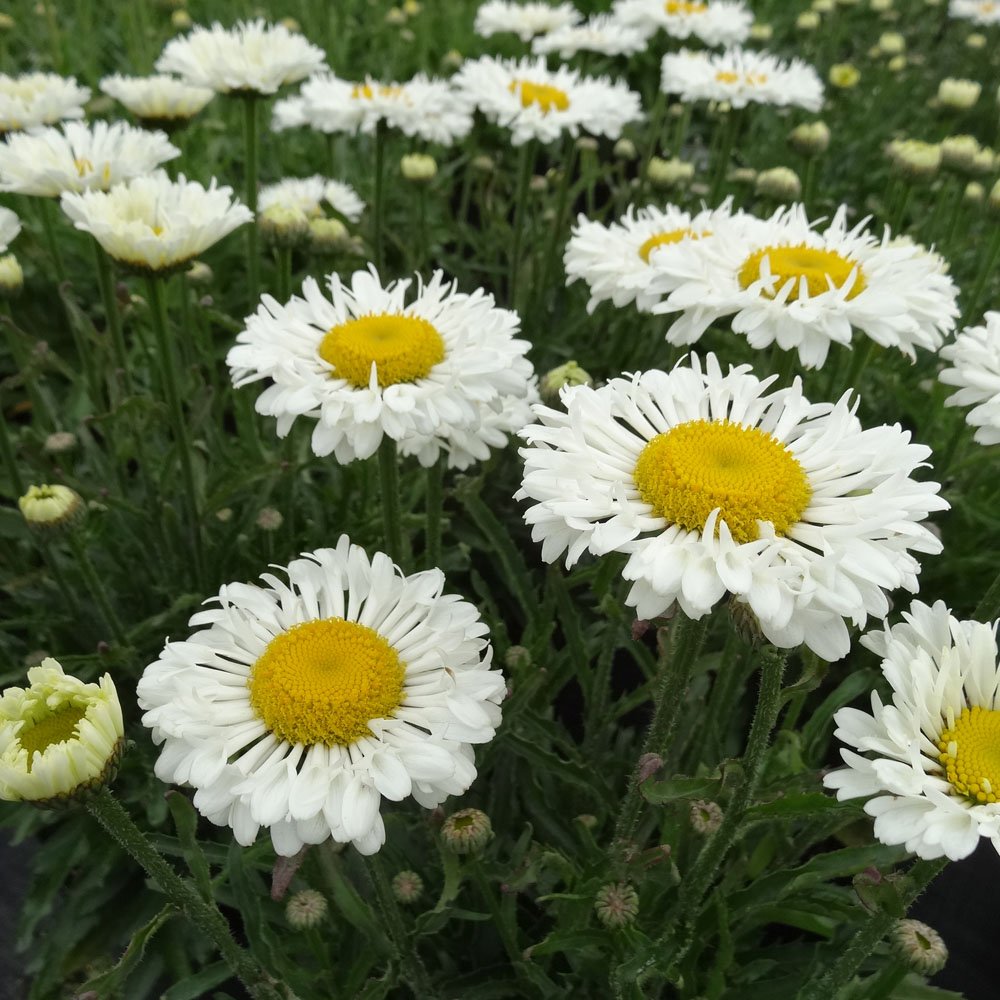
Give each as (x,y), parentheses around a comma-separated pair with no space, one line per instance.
(617,904)
(60,738)
(51,508)
(568,374)
(891,43)
(761,32)
(306,909)
(844,75)
(283,225)
(269,519)
(808,20)
(974,192)
(958,94)
(810,138)
(625,150)
(180,20)
(915,160)
(669,173)
(329,236)
(918,946)
(467,832)
(975,40)
(407,886)
(994,199)
(199,273)
(418,167)
(779,183)
(705,816)
(11,277)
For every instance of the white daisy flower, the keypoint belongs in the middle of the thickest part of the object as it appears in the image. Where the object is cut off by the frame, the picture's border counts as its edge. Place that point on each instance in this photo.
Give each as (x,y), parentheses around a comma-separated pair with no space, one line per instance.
(984,12)
(785,282)
(498,17)
(975,359)
(59,736)
(463,447)
(154,223)
(602,33)
(33,99)
(615,260)
(308,193)
(298,706)
(79,157)
(719,22)
(252,57)
(537,103)
(10,227)
(713,485)
(431,110)
(157,101)
(364,364)
(741,77)
(932,769)
(288,112)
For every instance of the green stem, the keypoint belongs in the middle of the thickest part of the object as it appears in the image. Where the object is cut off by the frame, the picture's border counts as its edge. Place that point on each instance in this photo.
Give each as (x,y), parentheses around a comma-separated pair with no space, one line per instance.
(985,270)
(420,210)
(413,968)
(514,953)
(867,937)
(283,284)
(388,475)
(378,206)
(596,718)
(721,702)
(655,128)
(93,583)
(886,981)
(55,38)
(671,682)
(432,504)
(49,227)
(108,811)
(899,215)
(697,881)
(809,181)
(988,607)
(106,281)
(55,570)
(10,458)
(726,142)
(683,124)
(525,164)
(158,309)
(562,197)
(252,169)
(860,358)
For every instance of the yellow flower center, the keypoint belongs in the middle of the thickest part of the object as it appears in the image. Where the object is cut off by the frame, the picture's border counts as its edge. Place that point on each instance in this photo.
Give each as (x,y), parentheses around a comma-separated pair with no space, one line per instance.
(749,475)
(365,91)
(402,348)
(821,269)
(83,165)
(970,754)
(662,239)
(681,7)
(56,727)
(542,94)
(323,681)
(750,79)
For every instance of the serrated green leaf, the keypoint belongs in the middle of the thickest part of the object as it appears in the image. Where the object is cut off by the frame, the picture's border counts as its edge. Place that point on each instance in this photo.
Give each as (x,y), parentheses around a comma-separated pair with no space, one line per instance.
(570,940)
(200,983)
(798,806)
(658,792)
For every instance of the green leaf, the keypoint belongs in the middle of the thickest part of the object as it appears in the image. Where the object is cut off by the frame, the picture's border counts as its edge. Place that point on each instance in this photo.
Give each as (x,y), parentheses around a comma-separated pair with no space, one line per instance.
(571,941)
(658,792)
(186,821)
(109,983)
(797,806)
(200,983)
(815,731)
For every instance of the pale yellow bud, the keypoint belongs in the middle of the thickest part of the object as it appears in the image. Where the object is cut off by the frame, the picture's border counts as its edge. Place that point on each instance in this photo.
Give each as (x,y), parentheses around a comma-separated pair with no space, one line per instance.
(418,167)
(668,173)
(844,75)
(959,94)
(779,183)
(891,43)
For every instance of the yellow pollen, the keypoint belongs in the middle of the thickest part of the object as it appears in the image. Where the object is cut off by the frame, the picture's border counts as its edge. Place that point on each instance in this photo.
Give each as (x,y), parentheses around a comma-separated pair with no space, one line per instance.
(323,681)
(367,92)
(685,473)
(83,165)
(821,269)
(662,239)
(542,94)
(680,7)
(750,79)
(56,727)
(403,349)
(970,754)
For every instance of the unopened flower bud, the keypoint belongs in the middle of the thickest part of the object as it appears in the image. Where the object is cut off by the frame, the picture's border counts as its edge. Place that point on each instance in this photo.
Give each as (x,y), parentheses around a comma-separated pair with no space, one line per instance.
(705,816)
(418,167)
(411,8)
(181,20)
(467,831)
(7,23)
(808,20)
(668,173)
(328,236)
(742,175)
(568,374)
(283,225)
(483,164)
(918,946)
(617,904)
(896,64)
(761,32)
(407,886)
(810,138)
(199,273)
(993,201)
(305,909)
(962,153)
(625,150)
(823,6)
(844,75)
(974,192)
(745,622)
(891,43)
(11,277)
(975,41)
(517,657)
(51,508)
(59,442)
(395,15)
(779,183)
(269,519)
(291,24)
(915,160)
(587,820)
(959,94)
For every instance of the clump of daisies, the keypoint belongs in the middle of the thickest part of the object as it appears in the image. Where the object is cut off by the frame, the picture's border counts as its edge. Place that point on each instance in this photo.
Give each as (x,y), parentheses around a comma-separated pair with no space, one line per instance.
(526,20)
(34,99)
(974,369)
(717,22)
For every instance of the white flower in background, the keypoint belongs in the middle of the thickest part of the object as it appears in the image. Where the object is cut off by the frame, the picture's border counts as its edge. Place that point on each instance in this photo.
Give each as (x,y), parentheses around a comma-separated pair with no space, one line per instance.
(429,109)
(157,100)
(33,99)
(931,768)
(537,103)
(288,112)
(978,11)
(602,33)
(498,17)
(741,77)
(364,363)
(975,369)
(615,260)
(78,157)
(10,227)
(156,224)
(252,56)
(785,282)
(711,485)
(309,193)
(718,22)
(299,706)
(59,737)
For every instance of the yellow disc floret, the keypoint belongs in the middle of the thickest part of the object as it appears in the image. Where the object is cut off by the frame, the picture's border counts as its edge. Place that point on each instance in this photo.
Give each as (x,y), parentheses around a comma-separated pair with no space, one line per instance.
(695,467)
(682,7)
(402,348)
(822,270)
(365,91)
(56,727)
(662,239)
(323,681)
(542,94)
(970,754)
